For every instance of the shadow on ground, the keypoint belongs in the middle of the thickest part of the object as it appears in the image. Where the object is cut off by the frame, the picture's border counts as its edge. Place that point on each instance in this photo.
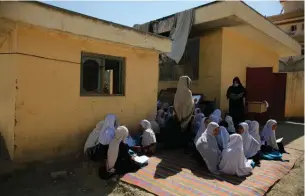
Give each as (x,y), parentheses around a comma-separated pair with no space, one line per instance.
(291,132)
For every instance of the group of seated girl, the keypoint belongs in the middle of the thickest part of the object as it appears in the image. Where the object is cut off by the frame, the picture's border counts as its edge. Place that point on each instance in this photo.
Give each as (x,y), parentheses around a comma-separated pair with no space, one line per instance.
(236,153)
(214,140)
(107,143)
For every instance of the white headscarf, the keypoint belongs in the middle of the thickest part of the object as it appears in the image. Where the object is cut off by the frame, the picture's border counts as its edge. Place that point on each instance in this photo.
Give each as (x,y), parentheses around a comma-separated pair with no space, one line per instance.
(160,118)
(222,138)
(148,134)
(208,148)
(254,131)
(233,160)
(107,131)
(121,134)
(268,135)
(250,145)
(92,139)
(248,122)
(183,102)
(201,130)
(231,127)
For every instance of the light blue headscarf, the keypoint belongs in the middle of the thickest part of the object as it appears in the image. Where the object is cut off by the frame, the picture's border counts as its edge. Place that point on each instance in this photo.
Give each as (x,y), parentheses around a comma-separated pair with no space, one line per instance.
(223,138)
(197,122)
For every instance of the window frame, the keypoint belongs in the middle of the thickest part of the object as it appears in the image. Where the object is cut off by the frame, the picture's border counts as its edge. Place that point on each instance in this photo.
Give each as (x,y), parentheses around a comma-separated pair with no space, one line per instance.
(100,58)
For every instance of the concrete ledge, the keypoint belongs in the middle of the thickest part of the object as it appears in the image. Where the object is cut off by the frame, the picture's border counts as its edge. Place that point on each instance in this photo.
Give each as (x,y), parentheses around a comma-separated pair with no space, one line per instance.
(47,16)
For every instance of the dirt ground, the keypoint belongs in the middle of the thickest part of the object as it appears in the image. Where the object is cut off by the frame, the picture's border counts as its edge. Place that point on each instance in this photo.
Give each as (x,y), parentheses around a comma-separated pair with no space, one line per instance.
(82,179)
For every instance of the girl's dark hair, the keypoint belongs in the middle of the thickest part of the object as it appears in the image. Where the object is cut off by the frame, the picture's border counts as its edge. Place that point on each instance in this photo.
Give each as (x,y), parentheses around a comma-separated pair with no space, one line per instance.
(224,124)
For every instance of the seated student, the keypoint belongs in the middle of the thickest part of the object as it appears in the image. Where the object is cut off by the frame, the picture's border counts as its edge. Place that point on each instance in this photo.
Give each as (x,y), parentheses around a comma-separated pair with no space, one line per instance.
(254,131)
(154,125)
(170,111)
(233,160)
(216,116)
(119,161)
(160,118)
(223,137)
(92,139)
(165,107)
(197,122)
(207,147)
(149,141)
(203,125)
(250,145)
(106,134)
(230,122)
(268,138)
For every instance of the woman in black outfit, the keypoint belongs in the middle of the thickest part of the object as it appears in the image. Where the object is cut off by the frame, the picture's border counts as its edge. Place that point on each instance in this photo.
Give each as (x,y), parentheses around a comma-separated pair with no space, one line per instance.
(236,94)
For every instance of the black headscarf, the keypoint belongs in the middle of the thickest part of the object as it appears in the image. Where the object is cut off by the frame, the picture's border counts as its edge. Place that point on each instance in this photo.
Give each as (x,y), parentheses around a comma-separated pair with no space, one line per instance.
(235,89)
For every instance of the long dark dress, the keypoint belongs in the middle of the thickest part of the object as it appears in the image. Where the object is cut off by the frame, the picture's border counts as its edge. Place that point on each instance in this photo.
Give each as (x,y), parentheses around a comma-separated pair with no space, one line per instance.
(173,136)
(236,106)
(98,152)
(124,163)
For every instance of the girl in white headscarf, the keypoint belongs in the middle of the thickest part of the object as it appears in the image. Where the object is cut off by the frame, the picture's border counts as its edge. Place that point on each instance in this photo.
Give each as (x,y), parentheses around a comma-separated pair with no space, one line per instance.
(160,119)
(207,147)
(268,136)
(197,122)
(216,116)
(254,131)
(118,158)
(233,160)
(108,128)
(231,127)
(203,125)
(92,139)
(149,141)
(222,138)
(97,143)
(183,102)
(250,145)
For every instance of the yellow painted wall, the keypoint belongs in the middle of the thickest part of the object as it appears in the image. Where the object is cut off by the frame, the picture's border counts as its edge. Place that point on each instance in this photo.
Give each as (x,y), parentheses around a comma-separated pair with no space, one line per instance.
(8,92)
(294,106)
(52,118)
(239,53)
(209,67)
(7,101)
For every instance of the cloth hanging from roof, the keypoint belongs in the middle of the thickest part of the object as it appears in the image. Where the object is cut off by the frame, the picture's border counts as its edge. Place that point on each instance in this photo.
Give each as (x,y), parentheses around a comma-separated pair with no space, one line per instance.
(180,34)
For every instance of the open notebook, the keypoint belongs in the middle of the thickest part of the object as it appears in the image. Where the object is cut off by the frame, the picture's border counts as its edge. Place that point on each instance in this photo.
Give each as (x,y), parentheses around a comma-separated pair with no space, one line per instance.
(279,140)
(141,159)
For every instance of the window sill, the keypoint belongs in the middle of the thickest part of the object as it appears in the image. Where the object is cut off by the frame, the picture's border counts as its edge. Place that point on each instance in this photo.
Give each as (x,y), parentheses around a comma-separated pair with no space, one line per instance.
(100,95)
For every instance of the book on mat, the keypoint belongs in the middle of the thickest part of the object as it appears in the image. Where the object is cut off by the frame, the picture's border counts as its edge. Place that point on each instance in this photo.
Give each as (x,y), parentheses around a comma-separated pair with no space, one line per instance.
(141,159)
